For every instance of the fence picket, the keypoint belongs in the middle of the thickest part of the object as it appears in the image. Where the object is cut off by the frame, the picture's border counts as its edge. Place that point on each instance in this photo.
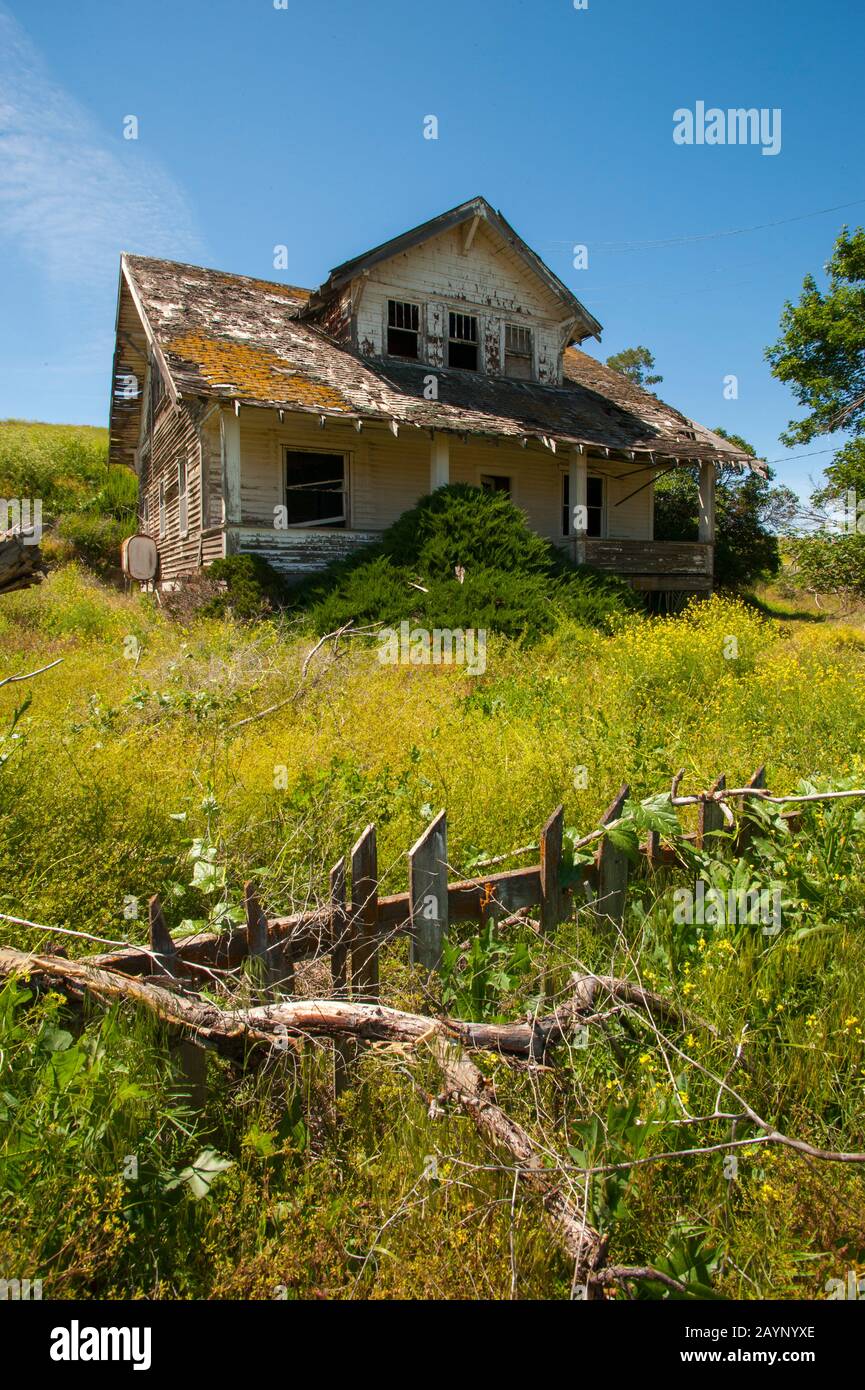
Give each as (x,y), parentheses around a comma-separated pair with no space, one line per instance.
(364,912)
(746,832)
(189,1057)
(612,868)
(710,817)
(552,898)
(428,894)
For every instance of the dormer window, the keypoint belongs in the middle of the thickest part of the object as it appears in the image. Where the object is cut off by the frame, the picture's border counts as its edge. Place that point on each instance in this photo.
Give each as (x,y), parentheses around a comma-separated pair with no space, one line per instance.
(518,352)
(403,329)
(463,341)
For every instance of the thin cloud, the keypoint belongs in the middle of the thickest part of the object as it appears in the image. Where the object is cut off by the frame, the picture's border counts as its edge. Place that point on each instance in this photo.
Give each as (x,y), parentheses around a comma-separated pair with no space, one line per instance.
(70,201)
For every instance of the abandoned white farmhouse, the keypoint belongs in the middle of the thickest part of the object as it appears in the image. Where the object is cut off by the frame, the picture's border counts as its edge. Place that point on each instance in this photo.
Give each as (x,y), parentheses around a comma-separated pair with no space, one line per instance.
(299,424)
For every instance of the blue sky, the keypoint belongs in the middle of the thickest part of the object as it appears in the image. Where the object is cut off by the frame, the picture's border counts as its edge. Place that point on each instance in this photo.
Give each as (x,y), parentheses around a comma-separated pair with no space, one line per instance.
(304,126)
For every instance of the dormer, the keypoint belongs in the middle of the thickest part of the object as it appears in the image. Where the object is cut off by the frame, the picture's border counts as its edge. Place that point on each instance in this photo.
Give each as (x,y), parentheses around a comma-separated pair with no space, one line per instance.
(463,292)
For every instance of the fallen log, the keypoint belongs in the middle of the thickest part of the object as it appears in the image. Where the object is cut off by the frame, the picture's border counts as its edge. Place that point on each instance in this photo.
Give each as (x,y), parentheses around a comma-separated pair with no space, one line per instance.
(20,564)
(182,1013)
(232,1031)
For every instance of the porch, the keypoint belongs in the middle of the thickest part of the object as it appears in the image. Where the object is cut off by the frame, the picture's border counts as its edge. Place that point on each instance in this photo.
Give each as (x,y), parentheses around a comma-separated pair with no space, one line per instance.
(653,565)
(302,495)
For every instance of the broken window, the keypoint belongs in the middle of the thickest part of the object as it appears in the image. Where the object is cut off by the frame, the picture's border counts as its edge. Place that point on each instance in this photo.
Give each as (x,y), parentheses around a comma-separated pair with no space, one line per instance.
(314,489)
(594,506)
(518,352)
(495,482)
(163,515)
(463,341)
(182,497)
(157,388)
(403,329)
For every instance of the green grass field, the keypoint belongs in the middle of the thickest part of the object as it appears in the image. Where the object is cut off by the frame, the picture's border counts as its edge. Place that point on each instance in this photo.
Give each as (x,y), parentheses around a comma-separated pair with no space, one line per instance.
(122,774)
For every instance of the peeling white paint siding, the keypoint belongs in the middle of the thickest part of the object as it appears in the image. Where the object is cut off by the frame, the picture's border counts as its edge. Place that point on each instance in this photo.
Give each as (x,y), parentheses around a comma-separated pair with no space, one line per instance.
(387,476)
(491,281)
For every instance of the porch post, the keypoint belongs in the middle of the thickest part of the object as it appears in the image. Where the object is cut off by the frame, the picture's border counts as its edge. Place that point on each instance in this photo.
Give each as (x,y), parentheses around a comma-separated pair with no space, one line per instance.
(230,439)
(439,462)
(578,492)
(706,505)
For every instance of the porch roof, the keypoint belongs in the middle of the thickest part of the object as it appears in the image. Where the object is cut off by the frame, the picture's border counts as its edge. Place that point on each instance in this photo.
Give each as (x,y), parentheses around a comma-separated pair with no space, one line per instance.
(233,338)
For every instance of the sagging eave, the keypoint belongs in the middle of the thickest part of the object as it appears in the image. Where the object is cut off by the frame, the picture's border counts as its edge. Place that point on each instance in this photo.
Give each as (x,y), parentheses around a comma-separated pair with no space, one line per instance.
(637,456)
(120,431)
(152,341)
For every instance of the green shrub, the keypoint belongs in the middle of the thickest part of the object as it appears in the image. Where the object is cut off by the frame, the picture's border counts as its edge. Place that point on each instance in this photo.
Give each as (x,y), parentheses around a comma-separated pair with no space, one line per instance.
(253,588)
(515,582)
(118,496)
(829,564)
(464,525)
(745,549)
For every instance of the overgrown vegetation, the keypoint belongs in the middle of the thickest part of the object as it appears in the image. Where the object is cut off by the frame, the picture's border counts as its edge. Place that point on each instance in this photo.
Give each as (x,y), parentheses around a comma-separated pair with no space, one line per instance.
(126,773)
(88,508)
(464,558)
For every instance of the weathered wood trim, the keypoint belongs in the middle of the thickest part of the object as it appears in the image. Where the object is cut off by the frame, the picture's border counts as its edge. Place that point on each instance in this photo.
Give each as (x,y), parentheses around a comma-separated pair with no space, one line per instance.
(439,461)
(364,914)
(706,503)
(229,433)
(648,558)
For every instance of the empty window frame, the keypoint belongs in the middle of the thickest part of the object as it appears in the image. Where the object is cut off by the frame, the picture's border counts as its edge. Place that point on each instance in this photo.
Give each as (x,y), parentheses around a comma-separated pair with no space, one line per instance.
(519,352)
(182,497)
(403,329)
(163,516)
(594,506)
(157,388)
(315,488)
(495,482)
(463,341)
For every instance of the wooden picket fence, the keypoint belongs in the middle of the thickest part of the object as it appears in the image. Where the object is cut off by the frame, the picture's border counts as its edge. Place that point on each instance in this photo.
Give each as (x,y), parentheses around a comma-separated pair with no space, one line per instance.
(352,933)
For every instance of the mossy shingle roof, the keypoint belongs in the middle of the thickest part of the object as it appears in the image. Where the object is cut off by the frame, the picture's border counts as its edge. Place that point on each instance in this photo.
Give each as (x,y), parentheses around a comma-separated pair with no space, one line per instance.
(240,339)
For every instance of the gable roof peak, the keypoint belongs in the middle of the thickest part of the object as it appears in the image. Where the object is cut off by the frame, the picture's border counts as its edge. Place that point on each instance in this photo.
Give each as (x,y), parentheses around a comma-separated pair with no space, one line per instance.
(478,206)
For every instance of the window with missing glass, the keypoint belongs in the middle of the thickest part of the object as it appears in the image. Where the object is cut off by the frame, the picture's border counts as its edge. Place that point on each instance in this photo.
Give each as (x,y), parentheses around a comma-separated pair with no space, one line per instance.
(495,482)
(182,497)
(594,506)
(315,488)
(519,352)
(403,329)
(157,388)
(463,341)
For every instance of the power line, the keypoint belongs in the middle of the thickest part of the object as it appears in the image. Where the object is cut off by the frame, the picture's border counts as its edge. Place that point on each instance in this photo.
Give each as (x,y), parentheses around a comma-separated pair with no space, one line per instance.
(709,236)
(813,454)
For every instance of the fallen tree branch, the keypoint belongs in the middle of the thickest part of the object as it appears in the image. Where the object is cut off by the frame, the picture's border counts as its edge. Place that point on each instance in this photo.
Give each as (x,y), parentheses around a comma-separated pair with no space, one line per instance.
(347,629)
(722,796)
(467,1085)
(230,1030)
(28,675)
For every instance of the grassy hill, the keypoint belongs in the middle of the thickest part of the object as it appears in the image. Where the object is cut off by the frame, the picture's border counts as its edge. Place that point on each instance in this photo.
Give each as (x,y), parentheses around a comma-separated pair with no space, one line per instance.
(88,508)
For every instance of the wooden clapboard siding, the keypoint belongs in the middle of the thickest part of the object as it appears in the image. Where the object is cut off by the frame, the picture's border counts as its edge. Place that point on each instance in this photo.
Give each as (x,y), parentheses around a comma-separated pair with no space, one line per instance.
(297,553)
(175,434)
(390,480)
(629,513)
(386,475)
